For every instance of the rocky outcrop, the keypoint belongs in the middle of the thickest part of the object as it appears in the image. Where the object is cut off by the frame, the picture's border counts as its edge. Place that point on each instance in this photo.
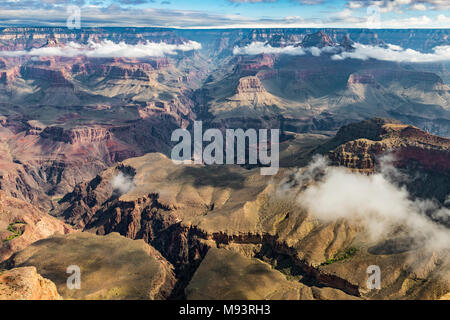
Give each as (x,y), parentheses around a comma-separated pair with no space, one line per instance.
(54,77)
(358,154)
(245,278)
(122,268)
(80,135)
(368,146)
(41,163)
(112,69)
(346,43)
(25,38)
(248,63)
(159,63)
(249,85)
(361,79)
(22,224)
(8,76)
(26,284)
(184,211)
(409,145)
(319,39)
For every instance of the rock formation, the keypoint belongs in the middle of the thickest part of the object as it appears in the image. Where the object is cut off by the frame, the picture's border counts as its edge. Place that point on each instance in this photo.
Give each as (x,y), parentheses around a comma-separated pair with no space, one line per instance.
(319,40)
(21,224)
(185,210)
(26,284)
(111,267)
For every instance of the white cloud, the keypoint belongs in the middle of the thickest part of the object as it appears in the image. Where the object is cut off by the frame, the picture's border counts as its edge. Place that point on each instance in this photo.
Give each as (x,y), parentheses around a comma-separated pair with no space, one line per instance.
(346,13)
(107,48)
(361,52)
(122,183)
(373,201)
(398,5)
(355,4)
(419,7)
(260,47)
(394,53)
(443,18)
(394,47)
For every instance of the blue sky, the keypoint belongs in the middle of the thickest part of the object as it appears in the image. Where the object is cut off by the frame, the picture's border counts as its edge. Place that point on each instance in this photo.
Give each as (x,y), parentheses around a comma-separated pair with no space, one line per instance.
(232,13)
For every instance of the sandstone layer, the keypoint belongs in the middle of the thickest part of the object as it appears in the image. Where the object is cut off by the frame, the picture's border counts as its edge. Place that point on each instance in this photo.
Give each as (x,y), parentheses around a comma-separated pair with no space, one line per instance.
(26,284)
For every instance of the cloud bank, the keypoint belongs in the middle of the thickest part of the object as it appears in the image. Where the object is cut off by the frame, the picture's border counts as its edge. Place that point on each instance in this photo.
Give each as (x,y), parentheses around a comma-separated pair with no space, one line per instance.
(375,202)
(107,48)
(145,13)
(362,52)
(261,47)
(395,53)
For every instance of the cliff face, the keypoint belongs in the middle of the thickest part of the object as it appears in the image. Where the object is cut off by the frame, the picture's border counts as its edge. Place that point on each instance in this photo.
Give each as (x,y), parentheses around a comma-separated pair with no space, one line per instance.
(249,85)
(9,75)
(55,78)
(423,156)
(22,224)
(148,275)
(40,163)
(26,284)
(25,38)
(361,78)
(66,121)
(408,144)
(28,38)
(83,135)
(119,68)
(249,63)
(185,210)
(319,40)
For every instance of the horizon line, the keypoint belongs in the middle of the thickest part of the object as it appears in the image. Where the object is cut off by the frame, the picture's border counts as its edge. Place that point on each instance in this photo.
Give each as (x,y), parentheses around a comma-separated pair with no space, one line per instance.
(217,28)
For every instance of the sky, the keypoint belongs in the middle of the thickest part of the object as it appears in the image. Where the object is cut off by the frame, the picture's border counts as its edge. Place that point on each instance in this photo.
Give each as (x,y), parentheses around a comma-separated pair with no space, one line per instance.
(229,13)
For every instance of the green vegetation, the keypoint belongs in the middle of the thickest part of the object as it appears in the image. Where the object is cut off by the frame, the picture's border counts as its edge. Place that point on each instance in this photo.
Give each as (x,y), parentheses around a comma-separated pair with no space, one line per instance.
(340,257)
(16,232)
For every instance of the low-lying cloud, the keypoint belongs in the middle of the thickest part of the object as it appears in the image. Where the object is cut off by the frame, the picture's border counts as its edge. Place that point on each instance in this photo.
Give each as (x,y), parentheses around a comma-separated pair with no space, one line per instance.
(122,183)
(255,48)
(394,53)
(389,52)
(374,201)
(109,49)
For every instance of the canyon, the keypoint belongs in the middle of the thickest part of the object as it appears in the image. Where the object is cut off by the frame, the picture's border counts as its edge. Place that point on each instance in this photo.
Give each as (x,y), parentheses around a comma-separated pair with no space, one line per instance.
(84,165)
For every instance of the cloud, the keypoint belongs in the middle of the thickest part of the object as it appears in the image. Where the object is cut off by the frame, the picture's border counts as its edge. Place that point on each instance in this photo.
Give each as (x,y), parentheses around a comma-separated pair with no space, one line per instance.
(251,1)
(375,202)
(122,183)
(362,52)
(107,48)
(135,2)
(309,2)
(394,53)
(398,5)
(260,47)
(419,7)
(99,13)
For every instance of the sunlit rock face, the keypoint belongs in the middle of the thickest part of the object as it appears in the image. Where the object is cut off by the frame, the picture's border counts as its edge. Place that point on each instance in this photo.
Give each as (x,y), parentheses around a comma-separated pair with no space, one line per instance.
(85,144)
